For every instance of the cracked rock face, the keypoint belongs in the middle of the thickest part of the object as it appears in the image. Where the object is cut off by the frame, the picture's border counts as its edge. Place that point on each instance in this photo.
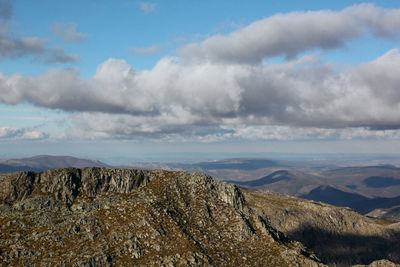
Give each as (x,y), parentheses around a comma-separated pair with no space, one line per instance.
(106,217)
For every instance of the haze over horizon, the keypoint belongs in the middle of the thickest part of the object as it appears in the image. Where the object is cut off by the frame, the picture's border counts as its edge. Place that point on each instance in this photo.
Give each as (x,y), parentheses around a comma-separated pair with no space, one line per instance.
(125,79)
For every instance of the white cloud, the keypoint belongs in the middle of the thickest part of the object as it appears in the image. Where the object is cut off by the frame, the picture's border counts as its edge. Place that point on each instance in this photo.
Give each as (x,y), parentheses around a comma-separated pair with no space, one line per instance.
(285,133)
(68,32)
(12,133)
(145,50)
(147,6)
(33,135)
(201,95)
(179,97)
(296,32)
(7,132)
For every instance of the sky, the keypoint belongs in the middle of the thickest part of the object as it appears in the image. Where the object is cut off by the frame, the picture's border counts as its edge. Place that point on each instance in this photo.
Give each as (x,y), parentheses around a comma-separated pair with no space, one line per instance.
(133,80)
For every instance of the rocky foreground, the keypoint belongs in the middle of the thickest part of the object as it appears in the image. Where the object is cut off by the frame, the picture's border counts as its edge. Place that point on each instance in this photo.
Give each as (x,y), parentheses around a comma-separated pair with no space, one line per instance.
(105,217)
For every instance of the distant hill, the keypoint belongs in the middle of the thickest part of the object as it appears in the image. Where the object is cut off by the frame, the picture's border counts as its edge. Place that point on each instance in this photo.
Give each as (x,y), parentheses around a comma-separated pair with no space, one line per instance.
(317,188)
(240,164)
(377,181)
(336,196)
(46,162)
(290,182)
(266,180)
(219,168)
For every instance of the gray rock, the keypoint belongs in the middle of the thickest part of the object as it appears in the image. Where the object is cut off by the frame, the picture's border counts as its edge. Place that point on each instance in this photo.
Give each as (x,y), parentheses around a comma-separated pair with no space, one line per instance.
(104,217)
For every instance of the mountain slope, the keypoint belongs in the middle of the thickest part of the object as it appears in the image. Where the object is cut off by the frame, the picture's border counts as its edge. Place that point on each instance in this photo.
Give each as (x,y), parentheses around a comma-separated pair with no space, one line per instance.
(311,187)
(392,213)
(336,196)
(338,236)
(266,180)
(347,198)
(98,216)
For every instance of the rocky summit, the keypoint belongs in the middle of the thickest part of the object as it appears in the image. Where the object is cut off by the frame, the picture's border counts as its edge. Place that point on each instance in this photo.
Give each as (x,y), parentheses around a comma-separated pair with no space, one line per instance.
(118,217)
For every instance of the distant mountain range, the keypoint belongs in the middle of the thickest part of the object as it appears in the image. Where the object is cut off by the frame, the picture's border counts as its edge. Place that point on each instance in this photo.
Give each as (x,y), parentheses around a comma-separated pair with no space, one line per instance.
(372,190)
(368,190)
(45,162)
(289,182)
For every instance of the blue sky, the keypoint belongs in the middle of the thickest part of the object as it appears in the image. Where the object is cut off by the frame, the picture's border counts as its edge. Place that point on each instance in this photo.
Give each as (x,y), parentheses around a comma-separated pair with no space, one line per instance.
(112,79)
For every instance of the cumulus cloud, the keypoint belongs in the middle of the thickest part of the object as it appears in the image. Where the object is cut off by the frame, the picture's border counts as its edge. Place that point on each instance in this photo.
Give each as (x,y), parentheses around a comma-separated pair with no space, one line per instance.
(68,32)
(145,50)
(173,97)
(12,133)
(213,100)
(147,7)
(296,32)
(13,46)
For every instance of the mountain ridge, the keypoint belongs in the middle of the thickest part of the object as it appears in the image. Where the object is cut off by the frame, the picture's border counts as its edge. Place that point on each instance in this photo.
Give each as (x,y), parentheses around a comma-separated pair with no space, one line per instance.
(106,216)
(363,188)
(44,162)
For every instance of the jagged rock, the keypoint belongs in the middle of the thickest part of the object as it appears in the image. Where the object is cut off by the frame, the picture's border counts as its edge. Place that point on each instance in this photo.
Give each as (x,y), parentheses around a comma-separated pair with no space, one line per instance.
(63,183)
(104,217)
(16,187)
(96,181)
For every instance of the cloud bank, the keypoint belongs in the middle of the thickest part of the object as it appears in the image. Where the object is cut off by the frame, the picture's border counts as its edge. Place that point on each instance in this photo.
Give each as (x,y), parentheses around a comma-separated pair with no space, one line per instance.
(296,32)
(222,87)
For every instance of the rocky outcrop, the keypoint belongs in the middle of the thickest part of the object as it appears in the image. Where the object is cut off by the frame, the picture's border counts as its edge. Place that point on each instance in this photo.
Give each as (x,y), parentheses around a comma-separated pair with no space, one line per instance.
(105,217)
(16,187)
(66,184)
